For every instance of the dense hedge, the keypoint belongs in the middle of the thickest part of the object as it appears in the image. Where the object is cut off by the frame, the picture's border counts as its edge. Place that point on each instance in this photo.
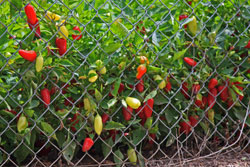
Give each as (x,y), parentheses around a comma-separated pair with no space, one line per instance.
(186,64)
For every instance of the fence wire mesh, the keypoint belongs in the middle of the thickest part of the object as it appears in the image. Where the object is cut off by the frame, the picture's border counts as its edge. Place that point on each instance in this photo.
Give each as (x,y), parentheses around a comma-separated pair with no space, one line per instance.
(68,70)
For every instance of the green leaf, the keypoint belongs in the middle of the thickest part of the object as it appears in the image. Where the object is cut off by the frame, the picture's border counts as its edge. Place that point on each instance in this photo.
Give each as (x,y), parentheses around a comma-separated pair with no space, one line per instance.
(7,113)
(111,102)
(61,138)
(116,87)
(30,113)
(155,129)
(171,115)
(134,122)
(110,81)
(118,157)
(66,63)
(69,152)
(119,29)
(98,95)
(112,47)
(48,129)
(150,95)
(3,35)
(48,61)
(21,153)
(179,55)
(170,141)
(245,12)
(124,103)
(27,135)
(104,104)
(186,21)
(160,99)
(114,125)
(238,91)
(1,157)
(34,104)
(15,7)
(243,42)
(106,148)
(138,135)
(233,94)
(155,40)
(241,114)
(141,160)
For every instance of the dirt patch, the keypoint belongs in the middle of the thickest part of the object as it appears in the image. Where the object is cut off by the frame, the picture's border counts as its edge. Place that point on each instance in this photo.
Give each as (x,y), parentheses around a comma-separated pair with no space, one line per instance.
(230,159)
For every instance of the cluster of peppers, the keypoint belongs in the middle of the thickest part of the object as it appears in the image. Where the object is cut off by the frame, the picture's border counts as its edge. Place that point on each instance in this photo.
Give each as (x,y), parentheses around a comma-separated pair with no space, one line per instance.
(144,112)
(209,100)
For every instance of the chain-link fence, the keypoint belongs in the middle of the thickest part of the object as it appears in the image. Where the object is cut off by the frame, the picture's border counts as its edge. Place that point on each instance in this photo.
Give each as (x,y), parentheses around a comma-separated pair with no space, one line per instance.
(122,82)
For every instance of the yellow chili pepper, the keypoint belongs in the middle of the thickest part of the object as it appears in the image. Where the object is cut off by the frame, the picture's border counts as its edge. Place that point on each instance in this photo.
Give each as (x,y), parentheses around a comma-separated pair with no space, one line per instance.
(52,16)
(133,102)
(192,26)
(98,124)
(62,31)
(162,83)
(87,105)
(39,63)
(92,78)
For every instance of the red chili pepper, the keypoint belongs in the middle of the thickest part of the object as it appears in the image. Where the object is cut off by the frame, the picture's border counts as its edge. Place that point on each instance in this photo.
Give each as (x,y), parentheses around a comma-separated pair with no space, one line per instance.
(223,90)
(230,103)
(140,86)
(127,113)
(193,120)
(105,118)
(61,44)
(28,55)
(74,121)
(211,97)
(190,61)
(45,93)
(141,70)
(32,19)
(196,88)
(53,90)
(141,112)
(168,86)
(248,45)
(112,133)
(143,121)
(198,103)
(65,89)
(121,88)
(143,31)
(80,104)
(185,127)
(37,27)
(212,83)
(181,17)
(148,108)
(204,102)
(152,138)
(184,90)
(131,86)
(88,143)
(69,101)
(31,14)
(77,37)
